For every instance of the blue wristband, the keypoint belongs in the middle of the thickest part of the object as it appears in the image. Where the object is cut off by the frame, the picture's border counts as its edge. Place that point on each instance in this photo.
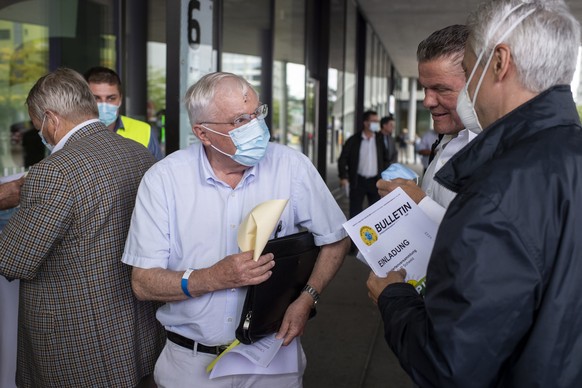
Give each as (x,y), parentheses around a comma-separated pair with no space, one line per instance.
(185,282)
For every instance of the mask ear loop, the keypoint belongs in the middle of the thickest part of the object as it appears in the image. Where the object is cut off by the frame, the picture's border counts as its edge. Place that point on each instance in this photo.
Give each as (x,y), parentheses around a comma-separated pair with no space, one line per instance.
(480,56)
(212,145)
(54,119)
(505,34)
(213,131)
(509,30)
(42,124)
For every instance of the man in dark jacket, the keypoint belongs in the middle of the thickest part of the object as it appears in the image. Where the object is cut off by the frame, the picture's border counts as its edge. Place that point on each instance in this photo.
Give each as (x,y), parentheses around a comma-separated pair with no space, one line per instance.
(387,125)
(361,161)
(503,305)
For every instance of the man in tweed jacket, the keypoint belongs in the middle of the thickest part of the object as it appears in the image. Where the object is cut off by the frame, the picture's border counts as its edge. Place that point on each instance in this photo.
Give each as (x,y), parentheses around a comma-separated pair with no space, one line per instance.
(79,323)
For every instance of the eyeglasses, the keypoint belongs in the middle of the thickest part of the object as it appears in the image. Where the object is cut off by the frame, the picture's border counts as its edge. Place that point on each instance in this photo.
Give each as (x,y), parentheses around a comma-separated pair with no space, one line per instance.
(259,113)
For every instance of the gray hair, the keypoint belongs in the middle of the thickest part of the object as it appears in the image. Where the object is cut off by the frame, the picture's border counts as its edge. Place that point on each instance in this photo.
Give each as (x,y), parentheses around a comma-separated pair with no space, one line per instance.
(64,92)
(200,95)
(448,42)
(544,45)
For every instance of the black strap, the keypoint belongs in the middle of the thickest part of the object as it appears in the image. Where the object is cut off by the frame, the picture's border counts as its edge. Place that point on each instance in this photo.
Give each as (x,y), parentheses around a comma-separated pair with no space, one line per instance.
(433,148)
(189,344)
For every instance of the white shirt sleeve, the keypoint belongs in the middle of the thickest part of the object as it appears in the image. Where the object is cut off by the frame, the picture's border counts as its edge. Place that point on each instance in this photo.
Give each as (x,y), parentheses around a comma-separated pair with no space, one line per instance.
(432,209)
(148,242)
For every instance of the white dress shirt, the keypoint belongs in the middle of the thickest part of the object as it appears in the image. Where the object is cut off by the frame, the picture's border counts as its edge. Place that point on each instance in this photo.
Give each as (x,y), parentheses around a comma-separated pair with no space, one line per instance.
(368,161)
(438,197)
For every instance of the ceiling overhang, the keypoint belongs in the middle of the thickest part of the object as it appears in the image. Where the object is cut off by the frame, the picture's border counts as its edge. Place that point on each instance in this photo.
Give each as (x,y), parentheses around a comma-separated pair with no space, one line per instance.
(402,25)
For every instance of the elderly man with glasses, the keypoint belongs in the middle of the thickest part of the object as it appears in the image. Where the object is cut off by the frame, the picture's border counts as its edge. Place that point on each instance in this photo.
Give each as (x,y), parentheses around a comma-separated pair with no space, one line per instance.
(182,242)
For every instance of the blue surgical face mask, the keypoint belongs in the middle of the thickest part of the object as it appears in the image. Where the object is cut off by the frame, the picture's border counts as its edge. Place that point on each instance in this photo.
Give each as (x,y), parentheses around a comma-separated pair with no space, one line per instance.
(250,140)
(50,147)
(107,113)
(397,170)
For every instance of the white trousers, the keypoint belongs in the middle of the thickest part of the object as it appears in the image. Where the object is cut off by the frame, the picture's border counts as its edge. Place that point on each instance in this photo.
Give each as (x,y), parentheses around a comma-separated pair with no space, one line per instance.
(181,367)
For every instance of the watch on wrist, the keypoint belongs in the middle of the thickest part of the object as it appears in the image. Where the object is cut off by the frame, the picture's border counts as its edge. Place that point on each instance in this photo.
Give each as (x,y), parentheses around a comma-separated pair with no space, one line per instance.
(312,292)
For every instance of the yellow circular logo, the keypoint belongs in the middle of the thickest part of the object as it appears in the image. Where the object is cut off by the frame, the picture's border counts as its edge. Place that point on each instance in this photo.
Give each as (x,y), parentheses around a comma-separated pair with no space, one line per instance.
(368,235)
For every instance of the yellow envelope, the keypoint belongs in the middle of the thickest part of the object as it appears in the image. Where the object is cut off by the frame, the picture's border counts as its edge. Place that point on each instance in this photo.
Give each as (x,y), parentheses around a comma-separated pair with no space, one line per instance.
(255,229)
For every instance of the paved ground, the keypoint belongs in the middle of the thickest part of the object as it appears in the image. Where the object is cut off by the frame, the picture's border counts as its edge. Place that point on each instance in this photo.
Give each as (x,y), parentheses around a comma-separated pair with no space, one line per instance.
(344,343)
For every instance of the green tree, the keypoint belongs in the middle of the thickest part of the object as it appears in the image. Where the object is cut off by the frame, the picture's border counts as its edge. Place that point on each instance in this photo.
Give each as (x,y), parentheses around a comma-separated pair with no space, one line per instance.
(157,88)
(29,62)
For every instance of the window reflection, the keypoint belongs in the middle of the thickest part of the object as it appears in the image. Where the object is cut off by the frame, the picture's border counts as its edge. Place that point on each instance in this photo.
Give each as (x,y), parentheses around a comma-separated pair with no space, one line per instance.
(349,85)
(335,79)
(23,59)
(36,36)
(289,76)
(293,106)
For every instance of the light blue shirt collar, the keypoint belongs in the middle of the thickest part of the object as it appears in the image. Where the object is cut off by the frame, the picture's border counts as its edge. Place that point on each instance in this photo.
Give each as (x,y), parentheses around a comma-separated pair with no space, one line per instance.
(210,177)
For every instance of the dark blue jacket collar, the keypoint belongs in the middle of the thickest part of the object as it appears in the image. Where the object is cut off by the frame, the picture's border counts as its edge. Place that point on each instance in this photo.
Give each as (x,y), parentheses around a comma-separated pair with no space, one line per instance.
(551,108)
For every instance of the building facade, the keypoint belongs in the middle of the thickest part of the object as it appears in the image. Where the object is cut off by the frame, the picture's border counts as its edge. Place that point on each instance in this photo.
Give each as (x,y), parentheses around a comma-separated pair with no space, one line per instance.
(318,65)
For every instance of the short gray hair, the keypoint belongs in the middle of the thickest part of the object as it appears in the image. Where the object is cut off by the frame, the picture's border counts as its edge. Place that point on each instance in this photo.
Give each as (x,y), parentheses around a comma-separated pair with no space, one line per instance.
(200,95)
(448,42)
(544,45)
(64,92)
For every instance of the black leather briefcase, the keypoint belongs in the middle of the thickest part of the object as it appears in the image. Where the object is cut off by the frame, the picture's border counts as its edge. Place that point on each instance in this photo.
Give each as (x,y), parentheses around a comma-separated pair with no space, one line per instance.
(266,303)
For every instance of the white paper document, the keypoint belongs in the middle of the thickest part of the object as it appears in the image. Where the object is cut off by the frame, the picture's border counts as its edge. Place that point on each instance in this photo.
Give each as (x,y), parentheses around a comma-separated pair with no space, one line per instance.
(266,357)
(10,178)
(394,233)
(257,226)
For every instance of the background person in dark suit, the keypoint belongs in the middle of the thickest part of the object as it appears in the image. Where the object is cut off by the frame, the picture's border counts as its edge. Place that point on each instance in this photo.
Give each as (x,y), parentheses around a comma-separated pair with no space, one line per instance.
(387,124)
(361,161)
(79,323)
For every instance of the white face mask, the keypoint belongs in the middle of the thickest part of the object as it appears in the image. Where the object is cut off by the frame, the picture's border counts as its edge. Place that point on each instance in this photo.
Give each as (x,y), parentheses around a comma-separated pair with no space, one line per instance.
(50,147)
(466,111)
(374,126)
(466,107)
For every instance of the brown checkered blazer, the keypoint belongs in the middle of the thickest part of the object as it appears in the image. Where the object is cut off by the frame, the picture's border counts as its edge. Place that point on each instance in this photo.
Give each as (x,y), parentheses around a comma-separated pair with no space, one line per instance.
(79,322)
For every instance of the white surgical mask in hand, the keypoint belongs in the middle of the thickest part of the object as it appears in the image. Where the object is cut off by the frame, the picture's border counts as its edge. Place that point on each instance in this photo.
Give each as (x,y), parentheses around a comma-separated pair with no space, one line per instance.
(397,170)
